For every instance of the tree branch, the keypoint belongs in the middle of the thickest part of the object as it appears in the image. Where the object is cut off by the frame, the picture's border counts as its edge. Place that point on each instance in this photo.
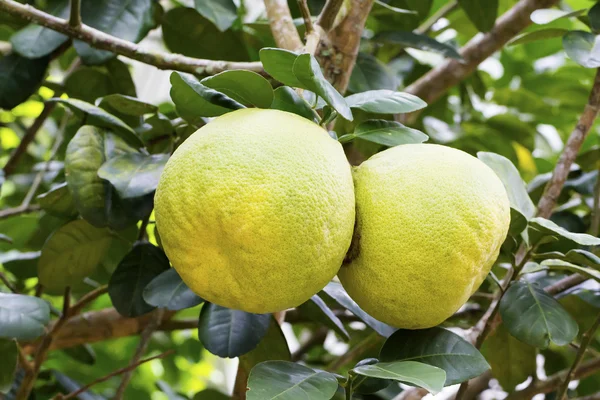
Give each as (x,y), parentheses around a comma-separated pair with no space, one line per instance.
(329,13)
(282,26)
(305,11)
(75,16)
(88,298)
(103,41)
(446,9)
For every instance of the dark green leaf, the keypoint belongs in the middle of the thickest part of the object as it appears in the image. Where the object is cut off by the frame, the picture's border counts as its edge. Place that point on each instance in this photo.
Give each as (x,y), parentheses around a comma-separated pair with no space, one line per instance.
(168,291)
(387,133)
(8,366)
(246,87)
(418,41)
(317,310)
(210,394)
(87,84)
(231,333)
(279,63)
(126,286)
(337,292)
(438,347)
(594,16)
(273,346)
(546,15)
(536,318)
(128,105)
(581,47)
(307,70)
(541,34)
(283,380)
(20,78)
(286,99)
(482,14)
(83,353)
(22,317)
(193,100)
(371,74)
(222,13)
(365,385)
(583,257)
(71,254)
(410,372)
(58,201)
(21,265)
(134,174)
(543,227)
(385,102)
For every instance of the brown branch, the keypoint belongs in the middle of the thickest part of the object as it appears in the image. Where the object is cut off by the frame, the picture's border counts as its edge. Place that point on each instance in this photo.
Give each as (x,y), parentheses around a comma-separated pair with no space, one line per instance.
(565,284)
(282,26)
(103,41)
(88,298)
(305,11)
(118,372)
(329,13)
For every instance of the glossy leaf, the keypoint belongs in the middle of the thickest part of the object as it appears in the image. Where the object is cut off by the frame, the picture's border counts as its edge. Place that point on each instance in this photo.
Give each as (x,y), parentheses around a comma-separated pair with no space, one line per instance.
(583,257)
(283,380)
(482,14)
(541,34)
(317,310)
(273,347)
(565,265)
(279,63)
(231,333)
(20,78)
(222,13)
(544,227)
(58,201)
(246,87)
(22,317)
(134,174)
(438,347)
(370,73)
(409,372)
(210,394)
(363,384)
(418,41)
(582,48)
(385,102)
(168,291)
(546,15)
(126,286)
(307,70)
(127,105)
(286,99)
(387,133)
(8,366)
(594,16)
(536,318)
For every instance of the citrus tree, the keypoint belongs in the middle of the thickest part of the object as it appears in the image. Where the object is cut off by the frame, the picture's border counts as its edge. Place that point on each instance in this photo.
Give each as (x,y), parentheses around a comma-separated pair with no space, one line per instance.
(459,275)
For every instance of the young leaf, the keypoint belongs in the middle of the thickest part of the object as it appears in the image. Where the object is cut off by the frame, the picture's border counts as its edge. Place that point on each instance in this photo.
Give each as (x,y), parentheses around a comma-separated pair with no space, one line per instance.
(438,347)
(58,201)
(8,366)
(582,48)
(536,318)
(246,87)
(418,41)
(167,290)
(283,380)
(22,317)
(307,70)
(387,133)
(385,102)
(20,78)
(482,15)
(337,292)
(231,333)
(279,64)
(193,100)
(126,286)
(71,254)
(286,99)
(410,372)
(317,310)
(544,227)
(134,174)
(222,13)
(127,105)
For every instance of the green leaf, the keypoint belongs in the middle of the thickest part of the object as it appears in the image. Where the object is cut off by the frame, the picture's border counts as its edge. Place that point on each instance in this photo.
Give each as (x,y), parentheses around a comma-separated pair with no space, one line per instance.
(134,174)
(210,394)
(541,34)
(565,265)
(87,84)
(385,102)
(84,354)
(130,20)
(8,366)
(4,238)
(71,254)
(127,105)
(20,78)
(168,291)
(273,346)
(246,87)
(544,227)
(365,385)
(279,63)
(438,347)
(409,372)
(126,286)
(371,74)
(222,13)
(387,133)
(193,100)
(23,265)
(283,380)
(58,201)
(286,99)
(418,41)
(594,16)
(514,185)
(583,257)
(482,14)
(337,292)
(581,47)
(536,318)
(546,15)
(22,317)
(512,361)
(307,70)
(231,333)
(317,310)
(98,117)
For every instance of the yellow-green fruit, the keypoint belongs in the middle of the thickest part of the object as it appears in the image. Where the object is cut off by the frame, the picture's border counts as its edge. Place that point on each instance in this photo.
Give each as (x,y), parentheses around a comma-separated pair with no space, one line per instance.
(430,223)
(256,210)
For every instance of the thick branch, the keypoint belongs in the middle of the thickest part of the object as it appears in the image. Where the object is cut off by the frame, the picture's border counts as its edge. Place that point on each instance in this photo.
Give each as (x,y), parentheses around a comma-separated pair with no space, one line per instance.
(329,13)
(103,41)
(282,26)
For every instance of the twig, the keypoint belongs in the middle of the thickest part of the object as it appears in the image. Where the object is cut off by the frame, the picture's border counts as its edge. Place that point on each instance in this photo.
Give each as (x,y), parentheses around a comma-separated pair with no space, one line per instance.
(75,16)
(141,349)
(88,298)
(586,339)
(11,212)
(103,41)
(441,13)
(565,284)
(329,13)
(118,372)
(282,26)
(142,233)
(7,283)
(305,11)
(23,361)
